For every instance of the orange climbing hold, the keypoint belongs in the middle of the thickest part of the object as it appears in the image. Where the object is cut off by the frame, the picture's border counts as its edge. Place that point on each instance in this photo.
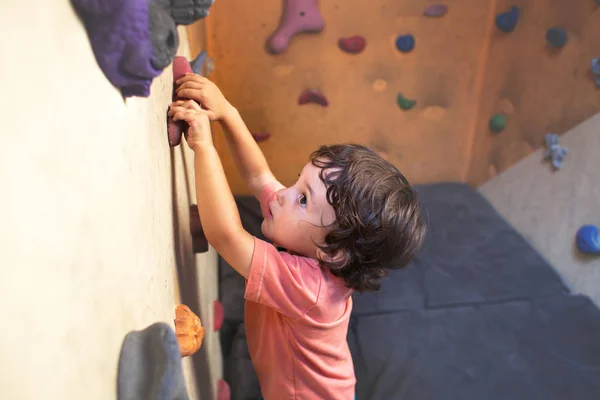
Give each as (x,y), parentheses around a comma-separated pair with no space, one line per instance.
(188,329)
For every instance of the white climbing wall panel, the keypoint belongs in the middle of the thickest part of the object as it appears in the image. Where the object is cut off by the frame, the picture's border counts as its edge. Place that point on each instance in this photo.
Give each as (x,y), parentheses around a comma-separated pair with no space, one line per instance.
(89,194)
(549,207)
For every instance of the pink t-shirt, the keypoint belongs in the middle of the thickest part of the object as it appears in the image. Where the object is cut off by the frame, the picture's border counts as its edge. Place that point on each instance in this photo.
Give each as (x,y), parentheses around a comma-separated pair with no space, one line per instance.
(296,318)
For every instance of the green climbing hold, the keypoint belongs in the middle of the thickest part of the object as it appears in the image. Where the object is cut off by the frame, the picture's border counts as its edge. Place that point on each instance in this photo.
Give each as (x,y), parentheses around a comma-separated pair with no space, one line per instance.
(404,103)
(497,123)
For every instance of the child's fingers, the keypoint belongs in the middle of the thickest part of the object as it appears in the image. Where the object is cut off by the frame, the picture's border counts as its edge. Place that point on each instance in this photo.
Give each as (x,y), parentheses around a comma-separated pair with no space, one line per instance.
(190,85)
(192,78)
(191,104)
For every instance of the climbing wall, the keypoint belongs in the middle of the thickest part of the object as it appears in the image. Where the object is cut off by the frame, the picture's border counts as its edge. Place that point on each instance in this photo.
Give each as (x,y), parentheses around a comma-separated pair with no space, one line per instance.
(549,207)
(95,234)
(462,70)
(538,88)
(429,142)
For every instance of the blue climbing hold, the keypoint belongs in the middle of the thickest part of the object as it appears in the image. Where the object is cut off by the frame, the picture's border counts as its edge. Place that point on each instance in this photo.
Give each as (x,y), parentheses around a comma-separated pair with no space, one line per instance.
(557,37)
(588,240)
(507,21)
(596,70)
(198,62)
(555,153)
(405,43)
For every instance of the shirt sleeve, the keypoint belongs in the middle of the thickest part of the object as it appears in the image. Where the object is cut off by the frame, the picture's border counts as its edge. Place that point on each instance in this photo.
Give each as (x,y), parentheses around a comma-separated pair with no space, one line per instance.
(287,283)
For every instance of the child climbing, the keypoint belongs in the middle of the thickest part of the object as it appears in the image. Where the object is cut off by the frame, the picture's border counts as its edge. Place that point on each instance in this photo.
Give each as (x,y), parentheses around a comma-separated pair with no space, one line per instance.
(349,218)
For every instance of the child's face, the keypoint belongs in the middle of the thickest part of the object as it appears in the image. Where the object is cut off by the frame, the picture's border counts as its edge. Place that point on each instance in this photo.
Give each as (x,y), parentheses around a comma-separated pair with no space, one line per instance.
(297,215)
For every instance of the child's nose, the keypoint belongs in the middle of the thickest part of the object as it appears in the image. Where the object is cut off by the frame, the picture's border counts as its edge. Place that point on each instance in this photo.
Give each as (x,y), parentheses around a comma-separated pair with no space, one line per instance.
(280,196)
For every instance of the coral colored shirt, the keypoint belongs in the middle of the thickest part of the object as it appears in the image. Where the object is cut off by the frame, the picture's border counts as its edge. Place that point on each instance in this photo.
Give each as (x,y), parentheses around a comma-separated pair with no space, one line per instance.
(296,318)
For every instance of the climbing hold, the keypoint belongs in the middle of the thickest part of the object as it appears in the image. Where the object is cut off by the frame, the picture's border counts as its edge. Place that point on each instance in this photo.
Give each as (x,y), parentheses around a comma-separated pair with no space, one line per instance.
(404,103)
(352,44)
(557,37)
(261,136)
(198,62)
(199,242)
(175,129)
(299,16)
(588,239)
(596,69)
(313,96)
(223,390)
(188,329)
(218,315)
(150,365)
(497,123)
(435,10)
(555,153)
(507,21)
(405,43)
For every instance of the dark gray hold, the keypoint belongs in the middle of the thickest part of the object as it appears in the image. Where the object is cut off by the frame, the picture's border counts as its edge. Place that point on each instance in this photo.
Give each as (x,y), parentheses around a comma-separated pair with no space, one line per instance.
(150,366)
(557,37)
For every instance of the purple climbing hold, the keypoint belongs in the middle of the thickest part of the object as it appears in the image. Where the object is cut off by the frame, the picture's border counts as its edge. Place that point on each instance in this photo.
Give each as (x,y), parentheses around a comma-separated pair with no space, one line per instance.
(507,21)
(435,10)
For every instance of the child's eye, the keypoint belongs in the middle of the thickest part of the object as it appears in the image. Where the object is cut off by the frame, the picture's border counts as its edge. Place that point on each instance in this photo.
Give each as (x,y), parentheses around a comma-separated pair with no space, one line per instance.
(302,200)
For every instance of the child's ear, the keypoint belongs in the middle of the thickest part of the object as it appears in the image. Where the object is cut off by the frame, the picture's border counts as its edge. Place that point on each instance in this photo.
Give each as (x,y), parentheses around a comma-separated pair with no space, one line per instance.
(340,257)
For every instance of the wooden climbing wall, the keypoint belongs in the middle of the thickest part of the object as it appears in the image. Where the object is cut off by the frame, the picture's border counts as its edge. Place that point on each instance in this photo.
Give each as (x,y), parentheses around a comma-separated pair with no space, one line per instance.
(540,90)
(460,72)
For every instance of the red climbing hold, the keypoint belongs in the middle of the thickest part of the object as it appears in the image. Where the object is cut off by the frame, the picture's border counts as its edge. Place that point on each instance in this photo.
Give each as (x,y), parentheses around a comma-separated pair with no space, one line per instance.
(261,136)
(352,44)
(223,390)
(218,316)
(313,96)
(175,129)
(435,10)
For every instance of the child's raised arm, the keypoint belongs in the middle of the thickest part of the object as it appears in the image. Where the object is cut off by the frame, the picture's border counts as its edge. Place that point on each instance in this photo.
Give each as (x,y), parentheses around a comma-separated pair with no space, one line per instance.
(219,215)
(247,155)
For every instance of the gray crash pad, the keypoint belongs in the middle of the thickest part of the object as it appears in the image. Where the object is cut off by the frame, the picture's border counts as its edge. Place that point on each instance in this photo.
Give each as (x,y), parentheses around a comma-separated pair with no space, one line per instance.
(546,348)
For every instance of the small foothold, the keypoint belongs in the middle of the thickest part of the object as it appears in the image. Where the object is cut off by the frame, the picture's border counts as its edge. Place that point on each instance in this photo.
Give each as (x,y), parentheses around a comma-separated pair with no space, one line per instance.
(554,153)
(352,44)
(198,62)
(199,242)
(313,96)
(262,136)
(218,315)
(405,43)
(588,239)
(507,21)
(497,123)
(596,69)
(557,37)
(188,329)
(223,390)
(404,103)
(435,10)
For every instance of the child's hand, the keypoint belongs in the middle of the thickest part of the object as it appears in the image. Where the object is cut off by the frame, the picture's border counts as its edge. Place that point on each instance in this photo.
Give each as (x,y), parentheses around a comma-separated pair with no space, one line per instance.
(199,132)
(206,93)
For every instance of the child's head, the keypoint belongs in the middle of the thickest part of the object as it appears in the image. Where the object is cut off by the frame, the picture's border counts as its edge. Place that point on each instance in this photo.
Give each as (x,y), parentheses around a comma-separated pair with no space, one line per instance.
(361,219)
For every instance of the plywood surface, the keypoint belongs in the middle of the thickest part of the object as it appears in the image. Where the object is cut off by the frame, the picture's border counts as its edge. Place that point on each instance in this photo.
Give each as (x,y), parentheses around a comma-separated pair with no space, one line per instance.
(94,239)
(429,142)
(549,207)
(539,89)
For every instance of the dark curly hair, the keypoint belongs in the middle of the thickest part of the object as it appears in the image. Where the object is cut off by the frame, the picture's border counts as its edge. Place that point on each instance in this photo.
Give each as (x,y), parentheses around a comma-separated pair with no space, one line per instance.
(378,224)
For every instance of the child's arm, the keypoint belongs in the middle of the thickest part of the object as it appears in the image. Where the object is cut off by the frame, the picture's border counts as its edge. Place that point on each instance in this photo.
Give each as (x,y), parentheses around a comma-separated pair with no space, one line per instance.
(218,212)
(247,155)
